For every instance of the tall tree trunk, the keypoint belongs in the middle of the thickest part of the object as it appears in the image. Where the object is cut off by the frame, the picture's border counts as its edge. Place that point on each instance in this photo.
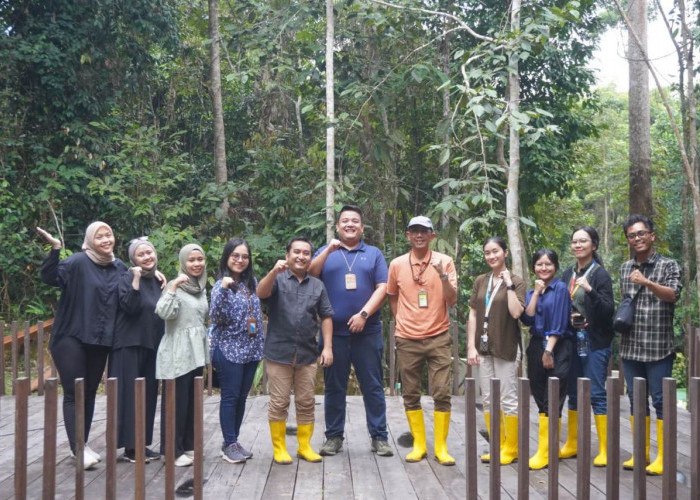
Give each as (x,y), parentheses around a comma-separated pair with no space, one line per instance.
(330,118)
(221,174)
(445,167)
(640,200)
(515,238)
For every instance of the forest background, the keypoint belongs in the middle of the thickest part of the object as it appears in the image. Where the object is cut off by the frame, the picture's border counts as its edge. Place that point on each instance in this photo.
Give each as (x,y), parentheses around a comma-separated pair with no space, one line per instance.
(106,112)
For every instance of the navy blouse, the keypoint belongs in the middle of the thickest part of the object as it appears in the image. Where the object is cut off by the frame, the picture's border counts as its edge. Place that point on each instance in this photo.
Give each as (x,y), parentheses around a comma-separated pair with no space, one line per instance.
(229,313)
(552,313)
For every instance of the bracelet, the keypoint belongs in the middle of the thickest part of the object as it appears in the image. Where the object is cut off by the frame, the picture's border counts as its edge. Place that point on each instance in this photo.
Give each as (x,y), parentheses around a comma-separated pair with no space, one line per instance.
(548,352)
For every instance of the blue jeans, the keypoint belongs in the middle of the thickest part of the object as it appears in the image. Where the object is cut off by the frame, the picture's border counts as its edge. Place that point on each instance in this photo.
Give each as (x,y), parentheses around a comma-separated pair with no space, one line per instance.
(654,372)
(595,367)
(235,380)
(365,352)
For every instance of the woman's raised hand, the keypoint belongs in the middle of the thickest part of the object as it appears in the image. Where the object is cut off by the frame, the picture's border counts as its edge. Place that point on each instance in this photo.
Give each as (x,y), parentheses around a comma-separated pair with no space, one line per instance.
(55,242)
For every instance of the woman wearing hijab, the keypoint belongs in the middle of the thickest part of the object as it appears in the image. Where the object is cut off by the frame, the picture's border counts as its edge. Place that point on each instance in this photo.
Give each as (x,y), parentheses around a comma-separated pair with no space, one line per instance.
(236,341)
(183,350)
(138,333)
(84,325)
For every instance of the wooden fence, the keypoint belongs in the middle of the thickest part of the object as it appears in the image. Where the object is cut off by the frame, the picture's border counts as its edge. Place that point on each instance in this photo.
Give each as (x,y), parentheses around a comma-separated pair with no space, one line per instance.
(614,391)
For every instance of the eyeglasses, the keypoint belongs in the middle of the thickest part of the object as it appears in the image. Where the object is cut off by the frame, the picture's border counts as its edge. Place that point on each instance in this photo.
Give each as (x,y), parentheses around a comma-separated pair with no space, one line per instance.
(237,256)
(638,234)
(579,242)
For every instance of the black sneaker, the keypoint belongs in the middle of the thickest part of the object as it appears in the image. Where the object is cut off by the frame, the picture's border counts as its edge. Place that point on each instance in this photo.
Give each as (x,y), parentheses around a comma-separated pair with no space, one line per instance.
(152,455)
(130,456)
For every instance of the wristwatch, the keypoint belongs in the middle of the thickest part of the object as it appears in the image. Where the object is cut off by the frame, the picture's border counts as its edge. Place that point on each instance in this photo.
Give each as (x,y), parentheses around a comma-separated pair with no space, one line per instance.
(546,351)
(511,287)
(444,276)
(364,314)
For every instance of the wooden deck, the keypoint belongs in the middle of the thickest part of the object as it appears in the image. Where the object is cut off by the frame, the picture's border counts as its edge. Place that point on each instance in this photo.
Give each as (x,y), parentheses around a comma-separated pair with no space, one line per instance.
(353,473)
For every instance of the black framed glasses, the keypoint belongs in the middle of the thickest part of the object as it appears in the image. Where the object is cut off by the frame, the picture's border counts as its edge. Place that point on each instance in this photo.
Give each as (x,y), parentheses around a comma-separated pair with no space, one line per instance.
(638,234)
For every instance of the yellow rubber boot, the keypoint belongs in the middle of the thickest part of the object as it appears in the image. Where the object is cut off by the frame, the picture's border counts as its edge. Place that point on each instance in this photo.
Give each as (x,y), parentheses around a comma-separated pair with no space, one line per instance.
(540,459)
(304,433)
(509,452)
(486,457)
(417,426)
(278,432)
(601,425)
(629,464)
(570,448)
(656,468)
(442,428)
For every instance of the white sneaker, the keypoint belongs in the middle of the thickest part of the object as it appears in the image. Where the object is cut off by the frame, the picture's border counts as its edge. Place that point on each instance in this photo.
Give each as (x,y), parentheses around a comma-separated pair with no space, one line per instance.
(89,460)
(190,453)
(92,452)
(183,461)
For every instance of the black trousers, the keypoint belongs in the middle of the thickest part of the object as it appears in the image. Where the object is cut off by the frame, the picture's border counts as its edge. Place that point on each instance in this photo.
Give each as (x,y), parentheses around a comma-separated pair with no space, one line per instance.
(184,413)
(127,364)
(73,359)
(539,376)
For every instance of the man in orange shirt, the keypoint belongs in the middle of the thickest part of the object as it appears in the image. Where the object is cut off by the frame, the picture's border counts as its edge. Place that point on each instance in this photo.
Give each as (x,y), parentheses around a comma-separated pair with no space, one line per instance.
(422,285)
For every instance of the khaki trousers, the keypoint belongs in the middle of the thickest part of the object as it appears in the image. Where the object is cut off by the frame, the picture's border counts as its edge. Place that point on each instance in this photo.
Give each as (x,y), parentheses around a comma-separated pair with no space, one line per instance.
(281,379)
(436,351)
(507,371)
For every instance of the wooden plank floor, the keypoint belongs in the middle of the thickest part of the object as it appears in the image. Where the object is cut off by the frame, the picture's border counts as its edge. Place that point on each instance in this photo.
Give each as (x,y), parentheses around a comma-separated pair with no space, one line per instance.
(354,473)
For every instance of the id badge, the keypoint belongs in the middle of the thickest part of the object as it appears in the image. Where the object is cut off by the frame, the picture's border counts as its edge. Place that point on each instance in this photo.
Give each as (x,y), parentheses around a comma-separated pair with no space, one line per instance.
(252,327)
(422,298)
(484,344)
(350,281)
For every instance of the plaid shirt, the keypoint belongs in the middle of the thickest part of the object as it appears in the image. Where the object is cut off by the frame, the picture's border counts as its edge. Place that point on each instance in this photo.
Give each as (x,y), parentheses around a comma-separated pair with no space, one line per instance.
(651,337)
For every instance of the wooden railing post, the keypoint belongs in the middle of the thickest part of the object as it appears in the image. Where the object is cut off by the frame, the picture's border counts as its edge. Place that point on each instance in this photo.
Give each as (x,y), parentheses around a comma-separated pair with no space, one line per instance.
(48,476)
(495,440)
(2,359)
(112,389)
(21,386)
(169,439)
(470,437)
(583,451)
(198,439)
(392,359)
(694,390)
(140,437)
(639,434)
(523,438)
(79,438)
(40,356)
(27,352)
(454,332)
(670,436)
(14,354)
(613,388)
(553,412)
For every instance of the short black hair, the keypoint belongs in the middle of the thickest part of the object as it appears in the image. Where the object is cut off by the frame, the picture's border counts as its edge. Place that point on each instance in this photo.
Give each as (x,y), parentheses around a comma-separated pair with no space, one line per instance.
(351,208)
(633,219)
(546,252)
(300,238)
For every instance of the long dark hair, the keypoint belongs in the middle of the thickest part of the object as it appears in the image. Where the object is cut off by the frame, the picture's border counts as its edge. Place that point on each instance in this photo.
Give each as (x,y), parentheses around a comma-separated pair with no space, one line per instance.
(595,239)
(551,254)
(247,277)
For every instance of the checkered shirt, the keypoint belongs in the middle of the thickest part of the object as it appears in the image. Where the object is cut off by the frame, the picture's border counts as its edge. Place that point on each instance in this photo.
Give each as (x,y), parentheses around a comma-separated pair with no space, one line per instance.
(651,337)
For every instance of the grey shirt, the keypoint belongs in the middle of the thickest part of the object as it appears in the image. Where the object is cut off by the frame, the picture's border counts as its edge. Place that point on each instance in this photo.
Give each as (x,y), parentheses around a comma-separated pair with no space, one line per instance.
(294,308)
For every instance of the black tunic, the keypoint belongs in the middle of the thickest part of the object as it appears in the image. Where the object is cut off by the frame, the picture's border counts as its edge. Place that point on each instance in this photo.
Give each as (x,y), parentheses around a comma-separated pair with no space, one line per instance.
(137,321)
(87,309)
(599,305)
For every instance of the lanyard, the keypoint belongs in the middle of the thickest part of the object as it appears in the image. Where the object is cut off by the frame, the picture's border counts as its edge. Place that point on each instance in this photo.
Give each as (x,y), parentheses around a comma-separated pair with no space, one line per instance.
(572,289)
(491,293)
(419,279)
(349,266)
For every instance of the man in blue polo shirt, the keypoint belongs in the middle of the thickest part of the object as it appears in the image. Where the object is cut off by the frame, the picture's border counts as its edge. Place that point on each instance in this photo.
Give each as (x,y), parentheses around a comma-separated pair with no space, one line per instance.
(355,276)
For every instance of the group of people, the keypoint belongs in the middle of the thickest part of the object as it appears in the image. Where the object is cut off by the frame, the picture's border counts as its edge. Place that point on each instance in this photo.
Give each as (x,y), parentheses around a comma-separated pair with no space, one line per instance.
(155,329)
(570,319)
